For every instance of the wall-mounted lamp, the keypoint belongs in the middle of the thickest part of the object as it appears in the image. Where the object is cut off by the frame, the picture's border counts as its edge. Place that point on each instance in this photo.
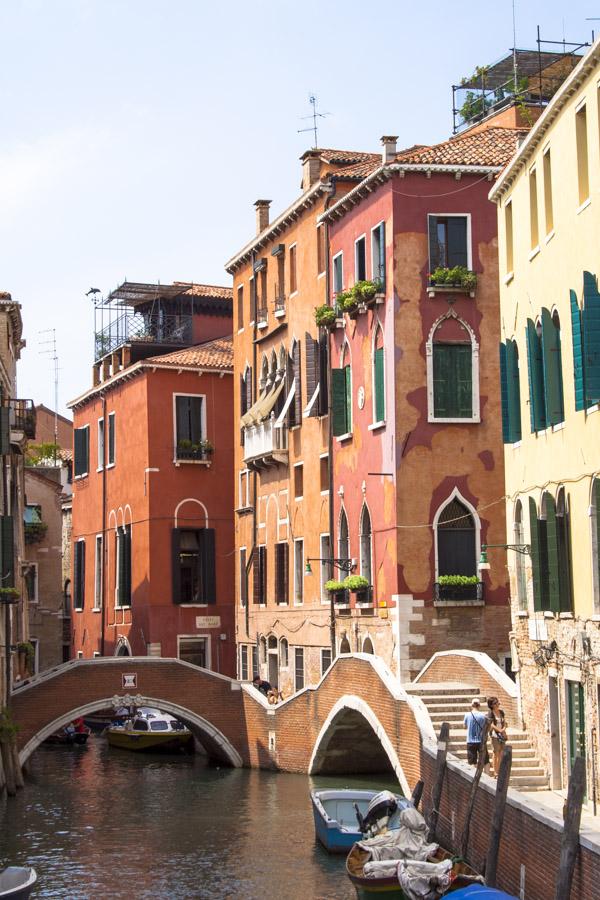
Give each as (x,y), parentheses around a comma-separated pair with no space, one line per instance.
(344,565)
(524,549)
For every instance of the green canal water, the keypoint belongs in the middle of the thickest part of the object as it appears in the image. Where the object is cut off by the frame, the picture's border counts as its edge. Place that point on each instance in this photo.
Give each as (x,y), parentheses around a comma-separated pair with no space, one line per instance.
(96,822)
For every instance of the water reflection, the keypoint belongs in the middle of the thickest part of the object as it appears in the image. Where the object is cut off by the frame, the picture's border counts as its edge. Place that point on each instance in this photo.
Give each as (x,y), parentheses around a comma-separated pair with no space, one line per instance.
(99,822)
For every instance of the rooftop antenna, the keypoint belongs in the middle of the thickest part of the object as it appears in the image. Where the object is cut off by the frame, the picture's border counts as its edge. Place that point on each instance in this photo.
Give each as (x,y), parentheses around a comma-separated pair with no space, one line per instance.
(52,353)
(314,116)
(514,18)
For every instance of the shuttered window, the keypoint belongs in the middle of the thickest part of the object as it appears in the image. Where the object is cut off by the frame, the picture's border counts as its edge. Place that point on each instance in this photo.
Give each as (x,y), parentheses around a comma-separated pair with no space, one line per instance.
(259,580)
(193,565)
(243,662)
(378,379)
(281,573)
(81,448)
(378,254)
(323,398)
(297,402)
(552,363)
(243,580)
(452,381)
(7,551)
(586,343)
(551,556)
(79,575)
(123,595)
(188,413)
(563,538)
(447,242)
(360,259)
(111,438)
(535,367)
(510,390)
(299,668)
(341,400)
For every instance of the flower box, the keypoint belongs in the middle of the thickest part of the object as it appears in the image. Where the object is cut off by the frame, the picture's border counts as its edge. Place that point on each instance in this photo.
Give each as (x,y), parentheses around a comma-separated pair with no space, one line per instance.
(458,592)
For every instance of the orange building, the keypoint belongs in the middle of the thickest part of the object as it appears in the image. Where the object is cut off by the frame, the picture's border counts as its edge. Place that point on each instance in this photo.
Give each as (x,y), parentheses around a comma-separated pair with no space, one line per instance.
(152,534)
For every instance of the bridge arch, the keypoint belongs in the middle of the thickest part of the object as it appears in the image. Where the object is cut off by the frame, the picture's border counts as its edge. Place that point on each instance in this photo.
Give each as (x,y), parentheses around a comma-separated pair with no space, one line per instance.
(369,740)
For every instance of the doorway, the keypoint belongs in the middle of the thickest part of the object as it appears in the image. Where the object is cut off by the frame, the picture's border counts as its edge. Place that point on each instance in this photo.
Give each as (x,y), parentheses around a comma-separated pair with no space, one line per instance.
(575,721)
(555,754)
(273,662)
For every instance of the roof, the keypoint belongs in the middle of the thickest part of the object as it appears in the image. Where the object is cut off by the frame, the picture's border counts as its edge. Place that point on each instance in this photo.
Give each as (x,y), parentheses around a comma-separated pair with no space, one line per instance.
(347,157)
(216,354)
(529,62)
(132,293)
(51,412)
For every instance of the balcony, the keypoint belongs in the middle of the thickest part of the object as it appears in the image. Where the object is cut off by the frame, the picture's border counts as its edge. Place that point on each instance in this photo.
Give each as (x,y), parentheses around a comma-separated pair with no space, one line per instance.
(186,451)
(143,328)
(279,304)
(265,444)
(262,317)
(458,593)
(23,417)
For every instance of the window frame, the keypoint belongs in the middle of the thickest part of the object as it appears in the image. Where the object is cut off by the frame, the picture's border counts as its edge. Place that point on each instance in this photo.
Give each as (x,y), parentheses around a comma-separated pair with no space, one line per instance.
(534,213)
(293,268)
(324,670)
(196,637)
(378,230)
(582,154)
(32,566)
(325,568)
(548,192)
(203,434)
(378,420)
(298,468)
(335,289)
(121,530)
(111,434)
(468,237)
(77,599)
(299,651)
(363,238)
(98,573)
(100,443)
(242,562)
(85,474)
(298,572)
(239,295)
(475,408)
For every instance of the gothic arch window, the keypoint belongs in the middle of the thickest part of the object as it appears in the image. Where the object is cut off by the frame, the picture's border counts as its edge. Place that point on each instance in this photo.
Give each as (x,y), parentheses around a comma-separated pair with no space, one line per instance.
(519,539)
(563,550)
(367,646)
(264,373)
(343,537)
(365,537)
(262,650)
(345,645)
(456,535)
(452,371)
(378,376)
(283,653)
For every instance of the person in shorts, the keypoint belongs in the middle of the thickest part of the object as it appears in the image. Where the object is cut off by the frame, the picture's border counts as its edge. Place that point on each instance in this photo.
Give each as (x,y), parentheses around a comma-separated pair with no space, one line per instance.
(475,722)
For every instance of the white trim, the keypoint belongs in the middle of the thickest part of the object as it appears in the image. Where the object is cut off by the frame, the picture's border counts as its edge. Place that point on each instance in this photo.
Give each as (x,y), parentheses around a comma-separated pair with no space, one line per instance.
(486,663)
(334,289)
(297,602)
(177,394)
(453,215)
(100,443)
(375,422)
(456,494)
(98,600)
(323,594)
(111,417)
(298,465)
(373,267)
(475,417)
(83,474)
(190,500)
(196,637)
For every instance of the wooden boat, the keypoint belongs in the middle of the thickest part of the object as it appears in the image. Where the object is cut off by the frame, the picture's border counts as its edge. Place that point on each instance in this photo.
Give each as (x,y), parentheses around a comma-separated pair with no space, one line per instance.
(157,732)
(462,876)
(67,737)
(336,823)
(16,882)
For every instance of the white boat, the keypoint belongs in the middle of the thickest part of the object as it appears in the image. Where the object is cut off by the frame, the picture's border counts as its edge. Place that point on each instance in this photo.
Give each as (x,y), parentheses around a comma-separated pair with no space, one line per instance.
(150,730)
(337,825)
(17,882)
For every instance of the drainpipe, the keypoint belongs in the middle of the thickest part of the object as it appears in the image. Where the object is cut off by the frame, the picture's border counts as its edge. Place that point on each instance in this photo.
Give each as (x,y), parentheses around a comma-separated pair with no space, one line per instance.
(7,616)
(254,474)
(104,541)
(330,422)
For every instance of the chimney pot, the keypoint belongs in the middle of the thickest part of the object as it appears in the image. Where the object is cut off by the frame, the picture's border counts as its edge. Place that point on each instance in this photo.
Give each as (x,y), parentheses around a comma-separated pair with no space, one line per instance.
(388,142)
(262,214)
(311,168)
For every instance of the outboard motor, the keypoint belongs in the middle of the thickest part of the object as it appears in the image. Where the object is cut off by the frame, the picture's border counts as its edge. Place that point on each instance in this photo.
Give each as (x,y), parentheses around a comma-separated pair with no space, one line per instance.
(381,808)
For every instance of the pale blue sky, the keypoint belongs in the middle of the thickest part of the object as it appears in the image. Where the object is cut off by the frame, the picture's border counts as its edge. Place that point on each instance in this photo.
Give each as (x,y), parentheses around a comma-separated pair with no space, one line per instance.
(135,135)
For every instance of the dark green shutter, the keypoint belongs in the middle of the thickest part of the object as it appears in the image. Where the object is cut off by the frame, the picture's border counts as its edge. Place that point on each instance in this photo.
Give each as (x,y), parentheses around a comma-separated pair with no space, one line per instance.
(323,398)
(442,380)
(182,419)
(338,401)
(311,354)
(452,381)
(506,430)
(348,380)
(7,549)
(381,260)
(112,424)
(552,546)
(535,555)
(434,251)
(551,359)
(81,450)
(298,392)
(79,575)
(379,386)
(578,367)
(127,547)
(563,531)
(537,409)
(514,391)
(457,241)
(281,573)
(597,525)
(207,560)
(248,388)
(4,430)
(176,565)
(591,339)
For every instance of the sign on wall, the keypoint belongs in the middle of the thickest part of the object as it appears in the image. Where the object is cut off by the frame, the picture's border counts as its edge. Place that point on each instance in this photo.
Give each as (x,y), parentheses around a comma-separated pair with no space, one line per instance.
(208,621)
(129,680)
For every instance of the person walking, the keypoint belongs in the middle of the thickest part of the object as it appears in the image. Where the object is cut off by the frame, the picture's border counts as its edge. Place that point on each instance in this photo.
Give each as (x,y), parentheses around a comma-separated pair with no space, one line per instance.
(475,722)
(498,731)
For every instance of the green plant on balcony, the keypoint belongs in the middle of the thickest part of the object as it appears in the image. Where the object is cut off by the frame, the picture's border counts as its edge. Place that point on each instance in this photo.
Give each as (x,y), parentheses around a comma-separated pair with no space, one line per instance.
(35,532)
(325,315)
(187,449)
(333,586)
(457,580)
(365,291)
(8,728)
(9,594)
(27,650)
(456,276)
(356,583)
(346,301)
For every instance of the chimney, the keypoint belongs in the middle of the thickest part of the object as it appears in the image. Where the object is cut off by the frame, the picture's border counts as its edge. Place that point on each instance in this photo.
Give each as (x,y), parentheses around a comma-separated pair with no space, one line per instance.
(311,168)
(262,214)
(389,147)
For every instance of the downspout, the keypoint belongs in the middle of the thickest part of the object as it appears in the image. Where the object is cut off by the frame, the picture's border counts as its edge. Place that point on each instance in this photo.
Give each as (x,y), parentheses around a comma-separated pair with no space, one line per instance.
(7,613)
(104,541)
(250,558)
(332,638)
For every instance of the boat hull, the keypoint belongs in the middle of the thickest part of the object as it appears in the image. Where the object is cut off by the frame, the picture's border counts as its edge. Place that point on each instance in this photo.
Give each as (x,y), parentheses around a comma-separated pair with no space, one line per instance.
(462,874)
(336,826)
(149,741)
(16,882)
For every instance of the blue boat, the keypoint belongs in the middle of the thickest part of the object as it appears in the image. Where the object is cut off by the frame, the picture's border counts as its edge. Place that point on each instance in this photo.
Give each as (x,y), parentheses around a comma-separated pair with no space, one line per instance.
(481,892)
(336,822)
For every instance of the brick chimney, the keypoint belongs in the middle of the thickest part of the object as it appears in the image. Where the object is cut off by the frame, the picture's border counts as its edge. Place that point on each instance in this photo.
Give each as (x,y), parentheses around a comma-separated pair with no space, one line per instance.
(311,168)
(388,142)
(262,214)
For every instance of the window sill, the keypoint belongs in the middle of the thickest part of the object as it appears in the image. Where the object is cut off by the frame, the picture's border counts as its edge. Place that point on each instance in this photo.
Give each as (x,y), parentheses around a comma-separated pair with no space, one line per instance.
(77,610)
(241,510)
(548,614)
(79,477)
(516,445)
(299,498)
(325,493)
(433,289)
(97,609)
(473,421)
(534,252)
(186,605)
(522,614)
(240,331)
(293,294)
(592,409)
(584,205)
(549,236)
(100,469)
(262,325)
(375,426)
(344,437)
(122,607)
(279,314)
(321,275)
(596,617)
(509,277)
(558,427)
(565,615)
(111,465)
(457,603)
(192,462)
(298,603)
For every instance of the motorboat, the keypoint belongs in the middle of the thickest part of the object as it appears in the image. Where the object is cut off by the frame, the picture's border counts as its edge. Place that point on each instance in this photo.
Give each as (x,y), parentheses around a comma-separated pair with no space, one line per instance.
(16,882)
(150,731)
(339,813)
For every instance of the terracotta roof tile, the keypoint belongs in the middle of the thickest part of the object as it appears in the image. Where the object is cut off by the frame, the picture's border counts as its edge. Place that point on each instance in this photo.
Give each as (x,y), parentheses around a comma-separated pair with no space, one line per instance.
(206,290)
(216,354)
(347,156)
(489,147)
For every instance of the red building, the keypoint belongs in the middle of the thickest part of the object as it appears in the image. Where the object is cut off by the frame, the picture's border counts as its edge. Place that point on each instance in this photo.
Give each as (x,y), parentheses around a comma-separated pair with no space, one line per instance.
(152,486)
(417,428)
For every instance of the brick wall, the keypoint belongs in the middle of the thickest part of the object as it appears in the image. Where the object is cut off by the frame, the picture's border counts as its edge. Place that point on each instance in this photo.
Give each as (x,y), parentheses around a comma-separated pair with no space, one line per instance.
(468,670)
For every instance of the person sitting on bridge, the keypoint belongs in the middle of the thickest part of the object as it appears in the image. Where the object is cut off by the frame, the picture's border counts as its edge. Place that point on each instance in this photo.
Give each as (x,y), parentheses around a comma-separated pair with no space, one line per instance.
(263,686)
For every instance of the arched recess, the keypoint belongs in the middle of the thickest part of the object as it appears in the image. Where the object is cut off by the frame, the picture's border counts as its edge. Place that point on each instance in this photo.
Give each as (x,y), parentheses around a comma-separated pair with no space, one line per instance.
(367,646)
(123,647)
(449,518)
(217,746)
(353,739)
(452,354)
(343,536)
(365,542)
(191,500)
(345,645)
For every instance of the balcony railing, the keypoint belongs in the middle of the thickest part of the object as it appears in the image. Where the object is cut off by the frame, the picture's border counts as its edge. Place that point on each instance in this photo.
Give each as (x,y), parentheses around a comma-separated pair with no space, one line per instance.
(143,328)
(193,452)
(279,301)
(262,316)
(265,442)
(23,417)
(458,592)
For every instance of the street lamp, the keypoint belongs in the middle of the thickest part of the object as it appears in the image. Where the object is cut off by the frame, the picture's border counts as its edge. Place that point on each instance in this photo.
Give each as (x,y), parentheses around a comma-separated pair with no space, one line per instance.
(524,549)
(344,565)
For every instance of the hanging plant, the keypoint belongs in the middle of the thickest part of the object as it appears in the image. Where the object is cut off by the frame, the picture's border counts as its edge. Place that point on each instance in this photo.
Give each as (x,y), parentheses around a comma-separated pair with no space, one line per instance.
(458,579)
(325,315)
(356,583)
(334,586)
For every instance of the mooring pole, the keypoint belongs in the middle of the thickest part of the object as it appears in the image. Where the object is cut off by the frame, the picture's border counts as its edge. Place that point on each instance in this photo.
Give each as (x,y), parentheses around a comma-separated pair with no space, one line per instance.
(491,862)
(440,771)
(417,793)
(570,839)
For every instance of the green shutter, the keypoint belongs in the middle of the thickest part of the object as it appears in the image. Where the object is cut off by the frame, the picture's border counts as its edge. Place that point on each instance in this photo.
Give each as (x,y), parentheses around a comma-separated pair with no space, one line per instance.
(506,430)
(127,566)
(442,382)
(552,365)
(452,381)
(4,430)
(591,339)
(537,409)
(578,367)
(434,250)
(381,261)
(552,547)
(379,386)
(457,241)
(7,551)
(338,401)
(535,555)
(513,390)
(597,523)
(208,582)
(175,565)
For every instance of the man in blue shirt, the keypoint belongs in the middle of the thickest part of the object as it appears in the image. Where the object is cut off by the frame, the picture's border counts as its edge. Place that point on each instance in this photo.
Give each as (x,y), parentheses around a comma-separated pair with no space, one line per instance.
(474,722)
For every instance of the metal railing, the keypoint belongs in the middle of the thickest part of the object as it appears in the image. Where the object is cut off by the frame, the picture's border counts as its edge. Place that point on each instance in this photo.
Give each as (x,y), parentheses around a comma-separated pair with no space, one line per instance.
(264,439)
(134,327)
(458,592)
(23,417)
(262,314)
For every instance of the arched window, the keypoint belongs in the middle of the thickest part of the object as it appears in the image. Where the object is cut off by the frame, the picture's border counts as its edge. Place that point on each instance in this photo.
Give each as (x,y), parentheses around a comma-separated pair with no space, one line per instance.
(595,525)
(378,376)
(262,650)
(345,645)
(341,395)
(563,549)
(452,371)
(283,654)
(367,646)
(551,554)
(365,545)
(343,537)
(511,393)
(519,539)
(456,540)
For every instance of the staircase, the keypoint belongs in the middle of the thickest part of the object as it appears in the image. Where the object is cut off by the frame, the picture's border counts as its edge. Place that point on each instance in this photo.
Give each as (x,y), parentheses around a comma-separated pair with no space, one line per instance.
(449,702)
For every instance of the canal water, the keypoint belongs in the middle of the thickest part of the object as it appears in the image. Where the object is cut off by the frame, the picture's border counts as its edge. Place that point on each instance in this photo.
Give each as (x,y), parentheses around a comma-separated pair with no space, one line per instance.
(97,822)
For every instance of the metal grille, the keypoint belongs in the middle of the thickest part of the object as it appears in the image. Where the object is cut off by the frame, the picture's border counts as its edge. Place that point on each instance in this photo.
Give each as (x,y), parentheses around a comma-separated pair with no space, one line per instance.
(455,515)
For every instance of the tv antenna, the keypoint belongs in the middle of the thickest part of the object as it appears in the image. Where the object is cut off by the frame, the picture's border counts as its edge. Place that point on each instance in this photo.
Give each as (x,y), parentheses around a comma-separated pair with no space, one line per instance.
(53,354)
(314,116)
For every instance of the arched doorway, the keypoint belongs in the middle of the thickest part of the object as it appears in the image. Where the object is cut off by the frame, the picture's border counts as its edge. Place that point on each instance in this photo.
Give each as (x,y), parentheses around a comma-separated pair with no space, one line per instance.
(123,648)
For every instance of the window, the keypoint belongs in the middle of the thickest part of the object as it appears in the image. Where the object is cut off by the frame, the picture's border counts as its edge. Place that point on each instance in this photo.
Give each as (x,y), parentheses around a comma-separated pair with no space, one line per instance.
(259,571)
(452,371)
(326,566)
(193,563)
(341,397)
(299,668)
(263,650)
(595,526)
(586,345)
(456,540)
(100,443)
(545,372)
(317,356)
(281,573)
(246,390)
(365,545)
(378,377)
(563,539)
(360,259)
(533,210)
(345,645)
(123,557)
(582,154)
(321,248)
(298,481)
(252,299)
(508,235)
(79,575)
(324,473)
(295,410)
(243,582)
(551,554)
(98,573)
(378,254)
(81,448)
(283,654)
(31,582)
(111,438)
(299,571)
(510,391)
(195,650)
(280,286)
(243,662)
(448,242)
(293,278)
(325,659)
(244,490)
(254,661)
(189,425)
(343,537)
(521,575)
(548,208)
(32,514)
(367,646)
(338,273)
(240,310)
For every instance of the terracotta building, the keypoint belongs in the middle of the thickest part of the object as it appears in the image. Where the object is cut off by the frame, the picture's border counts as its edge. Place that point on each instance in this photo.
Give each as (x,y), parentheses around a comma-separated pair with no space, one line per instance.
(48,423)
(152,527)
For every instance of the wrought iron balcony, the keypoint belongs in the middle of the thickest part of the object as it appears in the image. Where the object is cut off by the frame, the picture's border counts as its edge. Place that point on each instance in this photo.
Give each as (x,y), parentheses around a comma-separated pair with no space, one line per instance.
(265,443)
(132,327)
(189,452)
(458,592)
(23,417)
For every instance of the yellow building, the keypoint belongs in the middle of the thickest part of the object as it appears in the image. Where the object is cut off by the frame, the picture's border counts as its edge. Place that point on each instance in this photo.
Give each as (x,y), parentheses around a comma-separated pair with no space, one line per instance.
(548,203)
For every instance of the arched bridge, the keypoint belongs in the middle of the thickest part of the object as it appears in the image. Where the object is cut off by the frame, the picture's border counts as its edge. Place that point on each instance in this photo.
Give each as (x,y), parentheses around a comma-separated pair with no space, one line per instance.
(356,719)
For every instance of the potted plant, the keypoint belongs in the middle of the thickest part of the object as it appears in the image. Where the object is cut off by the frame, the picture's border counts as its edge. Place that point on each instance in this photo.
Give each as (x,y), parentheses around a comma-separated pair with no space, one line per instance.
(184,448)
(325,315)
(458,587)
(35,532)
(456,277)
(9,595)
(365,292)
(26,658)
(347,302)
(338,589)
(359,585)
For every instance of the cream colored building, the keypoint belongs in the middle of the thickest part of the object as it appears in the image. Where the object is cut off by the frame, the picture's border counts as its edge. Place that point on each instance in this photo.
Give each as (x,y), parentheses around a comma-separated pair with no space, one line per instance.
(548,202)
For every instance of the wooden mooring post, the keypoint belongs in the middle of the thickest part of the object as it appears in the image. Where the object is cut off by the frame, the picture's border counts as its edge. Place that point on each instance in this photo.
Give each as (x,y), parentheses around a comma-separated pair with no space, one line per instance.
(417,793)
(491,862)
(570,838)
(440,771)
(476,778)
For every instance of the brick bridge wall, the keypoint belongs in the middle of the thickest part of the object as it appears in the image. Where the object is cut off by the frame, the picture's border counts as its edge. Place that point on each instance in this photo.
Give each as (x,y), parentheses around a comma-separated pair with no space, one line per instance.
(285,737)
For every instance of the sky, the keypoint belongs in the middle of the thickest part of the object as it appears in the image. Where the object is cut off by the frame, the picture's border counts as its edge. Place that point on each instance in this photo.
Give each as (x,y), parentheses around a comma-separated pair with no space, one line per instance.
(135,135)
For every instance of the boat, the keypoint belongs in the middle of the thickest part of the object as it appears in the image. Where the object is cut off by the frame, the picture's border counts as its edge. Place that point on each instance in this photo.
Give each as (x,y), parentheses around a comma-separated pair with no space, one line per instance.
(336,822)
(16,882)
(151,732)
(481,892)
(74,734)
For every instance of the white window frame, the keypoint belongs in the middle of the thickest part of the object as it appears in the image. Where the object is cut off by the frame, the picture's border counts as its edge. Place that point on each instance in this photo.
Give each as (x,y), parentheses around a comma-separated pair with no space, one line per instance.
(36,597)
(244,489)
(323,651)
(118,604)
(293,247)
(324,568)
(79,609)
(196,637)
(242,562)
(243,652)
(239,288)
(86,473)
(362,237)
(287,664)
(475,417)
(456,494)
(176,461)
(111,419)
(98,587)
(453,215)
(337,256)
(302,649)
(100,444)
(374,265)
(375,423)
(298,581)
(360,540)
